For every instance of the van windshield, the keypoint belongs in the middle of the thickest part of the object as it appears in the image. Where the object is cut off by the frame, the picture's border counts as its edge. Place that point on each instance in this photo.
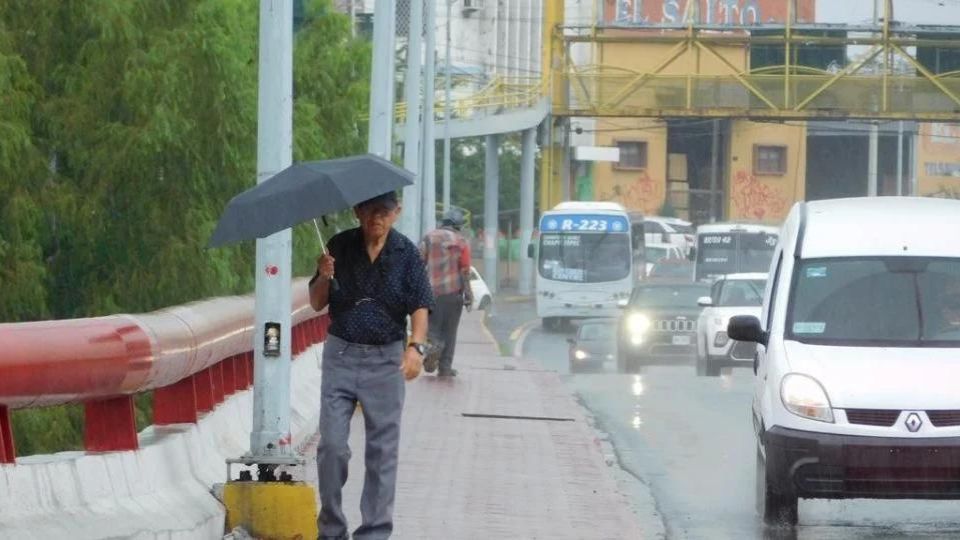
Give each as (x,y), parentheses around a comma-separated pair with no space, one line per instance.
(889,301)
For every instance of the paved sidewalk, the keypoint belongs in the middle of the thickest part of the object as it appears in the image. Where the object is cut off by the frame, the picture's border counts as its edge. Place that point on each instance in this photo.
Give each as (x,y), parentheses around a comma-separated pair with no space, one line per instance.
(479,477)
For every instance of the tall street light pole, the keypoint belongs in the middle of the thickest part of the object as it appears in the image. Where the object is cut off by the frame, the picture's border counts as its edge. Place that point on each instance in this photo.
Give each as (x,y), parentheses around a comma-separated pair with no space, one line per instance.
(270,437)
(447,108)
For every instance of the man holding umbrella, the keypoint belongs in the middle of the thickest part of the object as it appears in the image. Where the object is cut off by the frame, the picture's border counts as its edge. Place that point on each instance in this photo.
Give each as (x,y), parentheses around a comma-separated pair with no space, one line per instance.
(372,278)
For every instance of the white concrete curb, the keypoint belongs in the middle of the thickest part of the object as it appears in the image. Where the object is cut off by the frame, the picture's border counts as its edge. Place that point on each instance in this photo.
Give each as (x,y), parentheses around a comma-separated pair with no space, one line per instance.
(162,490)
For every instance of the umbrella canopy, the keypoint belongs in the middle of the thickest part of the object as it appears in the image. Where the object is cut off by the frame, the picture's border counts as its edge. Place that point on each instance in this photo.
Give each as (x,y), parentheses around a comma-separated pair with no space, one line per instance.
(306,191)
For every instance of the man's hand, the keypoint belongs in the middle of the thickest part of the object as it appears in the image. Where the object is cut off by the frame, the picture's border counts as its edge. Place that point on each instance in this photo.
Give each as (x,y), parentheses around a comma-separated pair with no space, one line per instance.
(325,265)
(412,364)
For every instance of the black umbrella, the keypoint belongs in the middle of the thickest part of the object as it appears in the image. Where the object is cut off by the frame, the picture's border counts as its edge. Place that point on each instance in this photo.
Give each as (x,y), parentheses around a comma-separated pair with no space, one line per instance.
(306,191)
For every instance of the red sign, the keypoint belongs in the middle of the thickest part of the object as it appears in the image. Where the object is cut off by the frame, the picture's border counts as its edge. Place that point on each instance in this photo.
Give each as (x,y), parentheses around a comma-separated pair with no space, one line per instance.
(731,12)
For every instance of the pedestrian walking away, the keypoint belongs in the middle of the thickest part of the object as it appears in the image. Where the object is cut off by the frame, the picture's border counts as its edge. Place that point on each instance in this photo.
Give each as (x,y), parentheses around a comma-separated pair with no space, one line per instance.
(380,280)
(447,256)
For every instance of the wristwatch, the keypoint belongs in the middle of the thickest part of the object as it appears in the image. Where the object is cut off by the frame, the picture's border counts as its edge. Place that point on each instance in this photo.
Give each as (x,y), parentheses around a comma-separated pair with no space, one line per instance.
(420,347)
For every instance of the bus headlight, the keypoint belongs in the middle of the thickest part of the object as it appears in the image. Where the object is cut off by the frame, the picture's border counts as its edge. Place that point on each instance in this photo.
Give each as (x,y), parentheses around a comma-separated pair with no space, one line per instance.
(637,324)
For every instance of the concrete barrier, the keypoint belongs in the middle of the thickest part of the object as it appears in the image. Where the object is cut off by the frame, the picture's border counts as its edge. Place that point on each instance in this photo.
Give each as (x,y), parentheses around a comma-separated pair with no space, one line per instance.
(161,491)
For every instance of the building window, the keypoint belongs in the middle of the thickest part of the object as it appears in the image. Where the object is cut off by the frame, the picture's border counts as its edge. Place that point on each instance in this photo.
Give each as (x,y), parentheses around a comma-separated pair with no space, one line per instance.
(633,155)
(770,160)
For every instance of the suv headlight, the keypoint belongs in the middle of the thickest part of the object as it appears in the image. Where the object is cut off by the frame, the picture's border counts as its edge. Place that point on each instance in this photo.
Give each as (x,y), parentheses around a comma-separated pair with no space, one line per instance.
(805,397)
(637,324)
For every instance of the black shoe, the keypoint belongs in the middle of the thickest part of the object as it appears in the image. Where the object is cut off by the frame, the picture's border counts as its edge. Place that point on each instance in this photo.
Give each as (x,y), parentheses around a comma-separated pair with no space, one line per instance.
(447,373)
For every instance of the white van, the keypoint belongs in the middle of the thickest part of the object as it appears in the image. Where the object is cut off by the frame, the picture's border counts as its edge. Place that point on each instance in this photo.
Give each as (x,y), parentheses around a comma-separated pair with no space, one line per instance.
(857,386)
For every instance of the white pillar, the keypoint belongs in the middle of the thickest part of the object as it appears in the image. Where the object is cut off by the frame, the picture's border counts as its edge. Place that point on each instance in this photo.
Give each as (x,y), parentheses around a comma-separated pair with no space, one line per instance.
(428,215)
(271,374)
(410,217)
(381,80)
(900,158)
(872,166)
(491,211)
(527,156)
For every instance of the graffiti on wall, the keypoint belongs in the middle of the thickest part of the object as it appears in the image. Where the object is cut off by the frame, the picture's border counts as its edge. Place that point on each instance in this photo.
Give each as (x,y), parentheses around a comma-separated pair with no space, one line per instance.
(755,200)
(642,193)
(732,12)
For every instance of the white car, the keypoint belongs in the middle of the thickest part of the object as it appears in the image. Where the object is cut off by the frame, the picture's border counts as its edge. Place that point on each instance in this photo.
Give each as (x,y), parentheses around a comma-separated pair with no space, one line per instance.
(735,294)
(858,357)
(668,230)
(481,293)
(657,252)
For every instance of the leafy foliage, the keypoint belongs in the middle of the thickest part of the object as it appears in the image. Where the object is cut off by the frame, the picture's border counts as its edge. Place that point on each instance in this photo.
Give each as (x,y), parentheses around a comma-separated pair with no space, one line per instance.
(125,127)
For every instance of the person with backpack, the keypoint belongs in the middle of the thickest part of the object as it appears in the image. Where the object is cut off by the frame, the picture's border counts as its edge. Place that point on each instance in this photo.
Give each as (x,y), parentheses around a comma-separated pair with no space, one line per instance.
(447,256)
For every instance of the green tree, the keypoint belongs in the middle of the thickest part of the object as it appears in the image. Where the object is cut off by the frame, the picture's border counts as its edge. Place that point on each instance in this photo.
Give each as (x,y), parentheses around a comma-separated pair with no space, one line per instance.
(22,268)
(125,127)
(467,165)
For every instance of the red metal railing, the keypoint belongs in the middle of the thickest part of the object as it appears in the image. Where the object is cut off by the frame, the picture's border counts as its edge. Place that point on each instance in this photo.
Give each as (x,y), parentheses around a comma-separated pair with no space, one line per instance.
(192,357)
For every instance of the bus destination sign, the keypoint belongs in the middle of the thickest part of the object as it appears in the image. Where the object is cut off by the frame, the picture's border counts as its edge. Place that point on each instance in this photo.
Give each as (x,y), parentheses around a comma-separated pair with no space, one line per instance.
(583,223)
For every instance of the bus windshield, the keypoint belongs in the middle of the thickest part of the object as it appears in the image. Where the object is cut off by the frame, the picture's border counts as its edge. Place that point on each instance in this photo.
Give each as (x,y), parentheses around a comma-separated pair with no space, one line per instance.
(585,257)
(734,252)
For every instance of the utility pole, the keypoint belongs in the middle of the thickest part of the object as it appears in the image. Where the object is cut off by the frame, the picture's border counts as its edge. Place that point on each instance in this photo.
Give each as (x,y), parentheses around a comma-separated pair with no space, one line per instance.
(381,80)
(446,118)
(410,218)
(428,214)
(271,380)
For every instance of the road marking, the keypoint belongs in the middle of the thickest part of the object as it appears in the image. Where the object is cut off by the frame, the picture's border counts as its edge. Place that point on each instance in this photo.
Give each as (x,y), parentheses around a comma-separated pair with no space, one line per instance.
(519,336)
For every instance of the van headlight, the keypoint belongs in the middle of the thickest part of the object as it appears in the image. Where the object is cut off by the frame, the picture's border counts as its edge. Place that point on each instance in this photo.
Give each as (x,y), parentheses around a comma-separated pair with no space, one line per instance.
(581,354)
(637,324)
(805,397)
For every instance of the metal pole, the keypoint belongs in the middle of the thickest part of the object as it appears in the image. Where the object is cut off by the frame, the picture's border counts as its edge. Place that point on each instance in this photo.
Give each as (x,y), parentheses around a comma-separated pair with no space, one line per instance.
(491,193)
(428,211)
(509,249)
(714,165)
(410,218)
(900,158)
(565,166)
(872,167)
(381,80)
(528,151)
(446,118)
(271,374)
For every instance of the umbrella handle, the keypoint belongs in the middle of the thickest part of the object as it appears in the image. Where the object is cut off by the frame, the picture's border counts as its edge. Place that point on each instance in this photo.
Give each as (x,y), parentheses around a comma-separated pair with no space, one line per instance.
(334,284)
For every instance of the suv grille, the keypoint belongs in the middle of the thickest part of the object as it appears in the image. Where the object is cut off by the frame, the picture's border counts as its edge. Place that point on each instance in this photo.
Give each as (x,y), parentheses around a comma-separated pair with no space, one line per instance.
(873,417)
(676,325)
(944,418)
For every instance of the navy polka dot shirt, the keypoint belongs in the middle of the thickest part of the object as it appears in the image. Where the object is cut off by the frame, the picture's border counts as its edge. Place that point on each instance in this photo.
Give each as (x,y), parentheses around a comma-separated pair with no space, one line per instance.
(375,298)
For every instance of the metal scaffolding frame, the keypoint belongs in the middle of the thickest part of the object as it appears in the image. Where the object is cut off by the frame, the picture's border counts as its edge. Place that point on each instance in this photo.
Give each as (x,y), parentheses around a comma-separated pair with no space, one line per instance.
(790,91)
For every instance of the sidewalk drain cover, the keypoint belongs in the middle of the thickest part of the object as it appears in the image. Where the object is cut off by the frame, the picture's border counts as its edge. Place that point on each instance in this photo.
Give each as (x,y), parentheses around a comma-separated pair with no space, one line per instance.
(517,417)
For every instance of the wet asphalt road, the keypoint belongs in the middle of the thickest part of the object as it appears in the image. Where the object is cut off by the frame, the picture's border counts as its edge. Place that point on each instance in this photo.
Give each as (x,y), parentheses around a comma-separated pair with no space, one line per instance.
(689,440)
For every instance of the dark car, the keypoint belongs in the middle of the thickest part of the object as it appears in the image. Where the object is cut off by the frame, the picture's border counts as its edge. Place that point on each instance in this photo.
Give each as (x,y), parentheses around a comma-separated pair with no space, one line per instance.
(672,269)
(594,344)
(659,323)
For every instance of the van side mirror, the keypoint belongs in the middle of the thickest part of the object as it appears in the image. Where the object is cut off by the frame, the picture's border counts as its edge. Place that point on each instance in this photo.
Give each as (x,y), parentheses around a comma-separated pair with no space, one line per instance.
(747,328)
(530,250)
(571,341)
(704,301)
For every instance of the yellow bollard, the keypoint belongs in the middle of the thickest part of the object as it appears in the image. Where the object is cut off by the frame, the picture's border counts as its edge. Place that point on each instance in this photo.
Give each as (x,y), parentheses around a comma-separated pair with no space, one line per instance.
(272,510)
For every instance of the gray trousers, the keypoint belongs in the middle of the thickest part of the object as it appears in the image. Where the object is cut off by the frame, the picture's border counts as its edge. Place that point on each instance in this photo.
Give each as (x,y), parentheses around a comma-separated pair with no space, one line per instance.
(443,324)
(369,375)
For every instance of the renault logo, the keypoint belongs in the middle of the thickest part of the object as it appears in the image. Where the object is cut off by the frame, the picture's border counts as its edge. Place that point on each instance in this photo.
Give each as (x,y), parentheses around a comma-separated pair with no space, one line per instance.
(913,422)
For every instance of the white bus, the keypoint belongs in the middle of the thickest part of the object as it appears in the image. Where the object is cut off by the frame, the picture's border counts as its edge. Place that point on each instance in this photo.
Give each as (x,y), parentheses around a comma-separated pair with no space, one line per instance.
(733,248)
(585,262)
